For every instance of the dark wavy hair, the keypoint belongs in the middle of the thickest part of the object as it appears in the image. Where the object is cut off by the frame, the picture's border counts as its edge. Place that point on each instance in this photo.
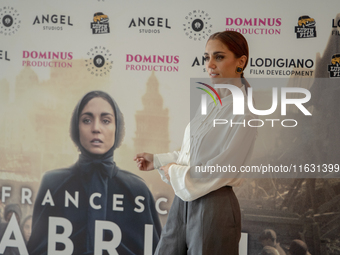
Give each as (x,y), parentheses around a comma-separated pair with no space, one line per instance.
(119,119)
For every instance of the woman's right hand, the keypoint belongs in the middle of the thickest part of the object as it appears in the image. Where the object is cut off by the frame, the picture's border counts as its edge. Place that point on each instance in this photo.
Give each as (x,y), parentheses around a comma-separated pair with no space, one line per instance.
(144,161)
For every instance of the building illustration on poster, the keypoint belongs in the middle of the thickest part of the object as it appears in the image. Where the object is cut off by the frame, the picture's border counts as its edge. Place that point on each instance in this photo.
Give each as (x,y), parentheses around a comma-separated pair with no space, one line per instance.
(152,122)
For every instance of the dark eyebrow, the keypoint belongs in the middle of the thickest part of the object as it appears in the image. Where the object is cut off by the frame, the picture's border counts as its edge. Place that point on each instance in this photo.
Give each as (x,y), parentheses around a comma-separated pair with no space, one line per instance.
(215,53)
(102,114)
(106,113)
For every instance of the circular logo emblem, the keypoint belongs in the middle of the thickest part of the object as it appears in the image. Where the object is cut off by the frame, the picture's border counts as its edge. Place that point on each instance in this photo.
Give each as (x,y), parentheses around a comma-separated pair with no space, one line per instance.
(99,62)
(9,21)
(197,25)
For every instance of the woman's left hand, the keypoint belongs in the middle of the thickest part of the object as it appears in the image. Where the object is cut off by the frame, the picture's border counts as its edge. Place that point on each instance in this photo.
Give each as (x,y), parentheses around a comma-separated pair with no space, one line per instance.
(166,170)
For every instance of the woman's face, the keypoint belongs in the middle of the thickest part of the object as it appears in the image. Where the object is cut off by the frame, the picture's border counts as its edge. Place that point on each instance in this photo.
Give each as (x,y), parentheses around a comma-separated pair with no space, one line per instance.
(220,61)
(97,126)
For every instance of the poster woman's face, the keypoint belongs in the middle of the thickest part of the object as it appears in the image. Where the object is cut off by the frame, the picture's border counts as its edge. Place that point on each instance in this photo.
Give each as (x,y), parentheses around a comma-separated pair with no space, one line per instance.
(220,61)
(97,126)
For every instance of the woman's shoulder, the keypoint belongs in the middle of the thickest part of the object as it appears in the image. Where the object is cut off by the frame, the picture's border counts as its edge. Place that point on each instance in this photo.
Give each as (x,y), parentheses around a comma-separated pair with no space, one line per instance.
(123,174)
(54,179)
(58,174)
(131,179)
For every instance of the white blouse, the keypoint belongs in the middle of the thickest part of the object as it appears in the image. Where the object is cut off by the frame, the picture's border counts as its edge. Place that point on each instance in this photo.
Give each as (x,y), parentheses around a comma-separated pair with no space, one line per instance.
(221,145)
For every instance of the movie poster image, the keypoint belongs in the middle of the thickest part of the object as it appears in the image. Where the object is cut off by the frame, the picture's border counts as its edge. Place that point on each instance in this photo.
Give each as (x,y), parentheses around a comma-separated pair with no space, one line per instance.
(145,56)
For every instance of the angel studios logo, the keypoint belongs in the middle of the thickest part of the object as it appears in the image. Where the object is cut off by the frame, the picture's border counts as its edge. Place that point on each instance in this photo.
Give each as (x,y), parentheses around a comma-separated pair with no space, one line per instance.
(9,20)
(53,22)
(4,55)
(306,27)
(100,24)
(199,61)
(197,25)
(150,25)
(99,62)
(334,67)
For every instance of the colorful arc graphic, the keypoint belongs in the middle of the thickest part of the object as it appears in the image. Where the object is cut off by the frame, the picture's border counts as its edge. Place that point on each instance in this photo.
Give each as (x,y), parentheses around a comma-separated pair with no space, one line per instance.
(209,92)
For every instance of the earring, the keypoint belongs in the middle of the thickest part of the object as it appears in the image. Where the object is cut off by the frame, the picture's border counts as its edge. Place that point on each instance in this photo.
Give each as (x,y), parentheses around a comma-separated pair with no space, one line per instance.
(239,70)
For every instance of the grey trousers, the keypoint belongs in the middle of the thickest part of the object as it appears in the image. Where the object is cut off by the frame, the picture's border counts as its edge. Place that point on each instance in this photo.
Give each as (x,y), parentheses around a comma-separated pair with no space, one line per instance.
(209,225)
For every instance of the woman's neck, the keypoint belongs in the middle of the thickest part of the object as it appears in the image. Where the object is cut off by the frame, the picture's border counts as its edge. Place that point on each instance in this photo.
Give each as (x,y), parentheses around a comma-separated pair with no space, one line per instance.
(223,92)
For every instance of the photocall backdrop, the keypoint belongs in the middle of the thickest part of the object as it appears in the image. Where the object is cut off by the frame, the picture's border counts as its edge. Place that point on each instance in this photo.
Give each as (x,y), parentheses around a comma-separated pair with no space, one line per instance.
(144,53)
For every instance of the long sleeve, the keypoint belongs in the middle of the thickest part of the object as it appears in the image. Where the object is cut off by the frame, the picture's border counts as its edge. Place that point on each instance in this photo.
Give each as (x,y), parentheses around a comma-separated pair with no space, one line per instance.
(164,159)
(206,146)
(193,181)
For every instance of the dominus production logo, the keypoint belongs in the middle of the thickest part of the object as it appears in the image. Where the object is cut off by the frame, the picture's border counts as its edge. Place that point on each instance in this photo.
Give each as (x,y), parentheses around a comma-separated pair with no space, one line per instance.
(9,21)
(100,24)
(157,63)
(197,25)
(334,67)
(99,62)
(254,25)
(306,27)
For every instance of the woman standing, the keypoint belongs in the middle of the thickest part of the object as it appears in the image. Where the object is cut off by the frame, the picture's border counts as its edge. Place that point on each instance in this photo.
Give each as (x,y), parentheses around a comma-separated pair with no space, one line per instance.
(103,203)
(205,215)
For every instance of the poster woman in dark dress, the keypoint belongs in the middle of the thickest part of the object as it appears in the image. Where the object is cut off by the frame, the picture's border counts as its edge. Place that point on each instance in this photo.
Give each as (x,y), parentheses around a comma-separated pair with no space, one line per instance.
(94,206)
